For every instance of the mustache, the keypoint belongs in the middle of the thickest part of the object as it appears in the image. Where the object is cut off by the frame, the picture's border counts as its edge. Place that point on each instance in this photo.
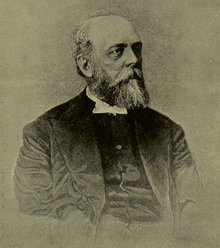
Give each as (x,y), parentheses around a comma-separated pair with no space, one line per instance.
(126,74)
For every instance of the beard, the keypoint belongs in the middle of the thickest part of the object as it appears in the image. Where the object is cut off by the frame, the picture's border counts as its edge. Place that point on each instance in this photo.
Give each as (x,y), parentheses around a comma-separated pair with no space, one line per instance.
(126,91)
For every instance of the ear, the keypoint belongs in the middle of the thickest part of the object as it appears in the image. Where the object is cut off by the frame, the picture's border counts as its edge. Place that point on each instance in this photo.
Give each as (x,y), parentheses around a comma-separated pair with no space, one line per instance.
(84,65)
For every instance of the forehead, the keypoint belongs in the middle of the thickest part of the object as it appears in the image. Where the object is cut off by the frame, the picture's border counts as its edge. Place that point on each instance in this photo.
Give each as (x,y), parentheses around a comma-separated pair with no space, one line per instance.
(108,31)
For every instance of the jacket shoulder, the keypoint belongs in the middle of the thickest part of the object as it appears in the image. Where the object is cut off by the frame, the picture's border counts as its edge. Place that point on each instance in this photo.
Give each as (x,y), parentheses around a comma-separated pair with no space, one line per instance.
(64,114)
(156,119)
(157,125)
(58,111)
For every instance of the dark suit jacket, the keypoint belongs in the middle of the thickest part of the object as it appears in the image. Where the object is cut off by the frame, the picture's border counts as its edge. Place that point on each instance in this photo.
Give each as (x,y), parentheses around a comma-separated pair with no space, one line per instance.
(59,166)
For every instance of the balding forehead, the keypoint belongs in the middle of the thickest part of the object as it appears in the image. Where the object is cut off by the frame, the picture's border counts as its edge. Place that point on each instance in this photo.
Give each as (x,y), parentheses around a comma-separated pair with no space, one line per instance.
(103,20)
(106,30)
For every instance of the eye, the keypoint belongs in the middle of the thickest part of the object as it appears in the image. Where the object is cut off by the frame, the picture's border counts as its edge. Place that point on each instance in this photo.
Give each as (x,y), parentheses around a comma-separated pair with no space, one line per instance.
(116,52)
(137,49)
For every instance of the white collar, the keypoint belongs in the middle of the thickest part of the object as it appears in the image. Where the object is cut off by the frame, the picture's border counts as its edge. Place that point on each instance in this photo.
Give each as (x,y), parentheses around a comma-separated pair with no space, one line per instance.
(102,107)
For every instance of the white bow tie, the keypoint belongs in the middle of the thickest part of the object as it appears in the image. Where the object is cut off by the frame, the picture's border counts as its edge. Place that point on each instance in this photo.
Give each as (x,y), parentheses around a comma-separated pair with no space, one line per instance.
(105,108)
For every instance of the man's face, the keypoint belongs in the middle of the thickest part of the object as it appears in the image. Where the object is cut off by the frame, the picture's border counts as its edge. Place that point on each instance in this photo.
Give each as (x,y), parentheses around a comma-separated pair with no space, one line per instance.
(116,61)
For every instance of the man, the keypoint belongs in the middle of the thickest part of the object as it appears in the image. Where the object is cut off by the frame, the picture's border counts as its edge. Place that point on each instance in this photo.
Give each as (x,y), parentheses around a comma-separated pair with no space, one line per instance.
(105,152)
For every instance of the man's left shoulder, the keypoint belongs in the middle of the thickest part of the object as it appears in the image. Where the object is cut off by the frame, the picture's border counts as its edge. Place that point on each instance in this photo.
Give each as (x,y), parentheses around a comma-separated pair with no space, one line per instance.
(156,119)
(158,127)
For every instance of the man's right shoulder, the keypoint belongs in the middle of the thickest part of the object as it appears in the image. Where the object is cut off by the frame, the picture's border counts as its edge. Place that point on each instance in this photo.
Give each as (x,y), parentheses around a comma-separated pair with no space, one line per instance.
(42,124)
(58,111)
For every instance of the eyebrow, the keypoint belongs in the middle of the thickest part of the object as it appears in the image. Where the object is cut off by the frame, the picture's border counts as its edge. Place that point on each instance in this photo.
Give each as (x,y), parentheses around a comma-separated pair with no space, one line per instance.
(117,45)
(138,43)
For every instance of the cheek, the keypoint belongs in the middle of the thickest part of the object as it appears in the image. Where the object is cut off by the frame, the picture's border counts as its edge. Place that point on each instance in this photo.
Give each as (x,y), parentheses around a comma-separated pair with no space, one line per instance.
(113,68)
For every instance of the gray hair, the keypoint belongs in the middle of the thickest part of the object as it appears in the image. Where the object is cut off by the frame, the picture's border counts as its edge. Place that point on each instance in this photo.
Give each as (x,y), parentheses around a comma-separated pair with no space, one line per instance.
(81,44)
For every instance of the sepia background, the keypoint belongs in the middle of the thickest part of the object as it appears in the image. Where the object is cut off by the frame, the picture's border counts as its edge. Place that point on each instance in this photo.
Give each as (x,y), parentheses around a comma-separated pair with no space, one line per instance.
(182,70)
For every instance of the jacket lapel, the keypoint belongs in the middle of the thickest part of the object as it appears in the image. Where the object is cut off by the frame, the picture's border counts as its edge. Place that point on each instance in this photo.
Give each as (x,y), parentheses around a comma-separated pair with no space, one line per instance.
(77,143)
(153,141)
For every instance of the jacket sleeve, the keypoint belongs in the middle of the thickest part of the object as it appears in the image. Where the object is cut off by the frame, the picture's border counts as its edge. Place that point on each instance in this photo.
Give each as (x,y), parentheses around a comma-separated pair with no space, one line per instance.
(42,182)
(185,177)
(32,177)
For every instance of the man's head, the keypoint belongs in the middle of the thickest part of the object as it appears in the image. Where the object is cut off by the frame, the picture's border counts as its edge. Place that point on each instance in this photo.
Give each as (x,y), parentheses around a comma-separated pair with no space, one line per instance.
(108,55)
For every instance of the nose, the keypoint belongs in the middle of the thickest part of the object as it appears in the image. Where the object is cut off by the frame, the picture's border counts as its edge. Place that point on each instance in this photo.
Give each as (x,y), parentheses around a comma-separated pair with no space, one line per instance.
(130,58)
